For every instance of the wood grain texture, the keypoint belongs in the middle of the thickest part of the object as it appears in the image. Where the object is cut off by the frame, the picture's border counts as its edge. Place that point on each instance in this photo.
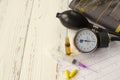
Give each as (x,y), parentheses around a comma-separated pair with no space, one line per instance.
(29,31)
(14,23)
(44,32)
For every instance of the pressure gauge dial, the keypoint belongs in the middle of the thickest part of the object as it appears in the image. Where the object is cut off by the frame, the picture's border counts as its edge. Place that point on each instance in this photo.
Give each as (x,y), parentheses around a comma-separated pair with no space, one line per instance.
(85,40)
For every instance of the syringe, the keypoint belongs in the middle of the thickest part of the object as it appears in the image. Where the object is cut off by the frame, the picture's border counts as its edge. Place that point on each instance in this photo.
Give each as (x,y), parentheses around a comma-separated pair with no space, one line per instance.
(59,55)
(82,65)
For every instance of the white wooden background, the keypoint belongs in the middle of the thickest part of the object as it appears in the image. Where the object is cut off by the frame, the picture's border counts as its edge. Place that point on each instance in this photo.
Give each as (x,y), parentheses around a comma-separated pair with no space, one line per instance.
(28,30)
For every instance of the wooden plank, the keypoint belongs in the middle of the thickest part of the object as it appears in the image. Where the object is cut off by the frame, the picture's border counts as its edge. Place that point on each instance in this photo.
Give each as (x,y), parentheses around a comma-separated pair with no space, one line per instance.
(3,5)
(14,22)
(45,31)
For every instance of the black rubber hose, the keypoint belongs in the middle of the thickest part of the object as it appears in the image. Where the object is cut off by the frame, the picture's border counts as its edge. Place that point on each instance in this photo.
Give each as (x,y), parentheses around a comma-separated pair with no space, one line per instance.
(109,31)
(115,39)
(114,33)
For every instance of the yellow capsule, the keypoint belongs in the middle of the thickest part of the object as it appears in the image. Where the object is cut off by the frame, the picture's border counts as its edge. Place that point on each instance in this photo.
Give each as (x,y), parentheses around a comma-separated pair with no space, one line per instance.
(67,46)
(73,73)
(66,72)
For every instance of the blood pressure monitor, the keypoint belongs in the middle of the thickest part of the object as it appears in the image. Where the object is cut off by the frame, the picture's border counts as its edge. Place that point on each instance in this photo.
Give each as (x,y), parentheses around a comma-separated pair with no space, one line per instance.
(87,40)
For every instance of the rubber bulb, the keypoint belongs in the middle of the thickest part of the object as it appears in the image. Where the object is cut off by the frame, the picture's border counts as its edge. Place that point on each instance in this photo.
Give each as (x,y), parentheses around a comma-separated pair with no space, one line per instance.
(73,20)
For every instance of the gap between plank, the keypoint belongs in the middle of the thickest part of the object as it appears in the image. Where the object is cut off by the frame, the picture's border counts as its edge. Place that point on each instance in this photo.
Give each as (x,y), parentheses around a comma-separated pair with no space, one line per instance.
(28,25)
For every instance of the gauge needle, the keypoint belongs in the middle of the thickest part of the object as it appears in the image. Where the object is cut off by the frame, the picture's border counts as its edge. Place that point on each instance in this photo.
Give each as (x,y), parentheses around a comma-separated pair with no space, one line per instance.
(88,41)
(81,41)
